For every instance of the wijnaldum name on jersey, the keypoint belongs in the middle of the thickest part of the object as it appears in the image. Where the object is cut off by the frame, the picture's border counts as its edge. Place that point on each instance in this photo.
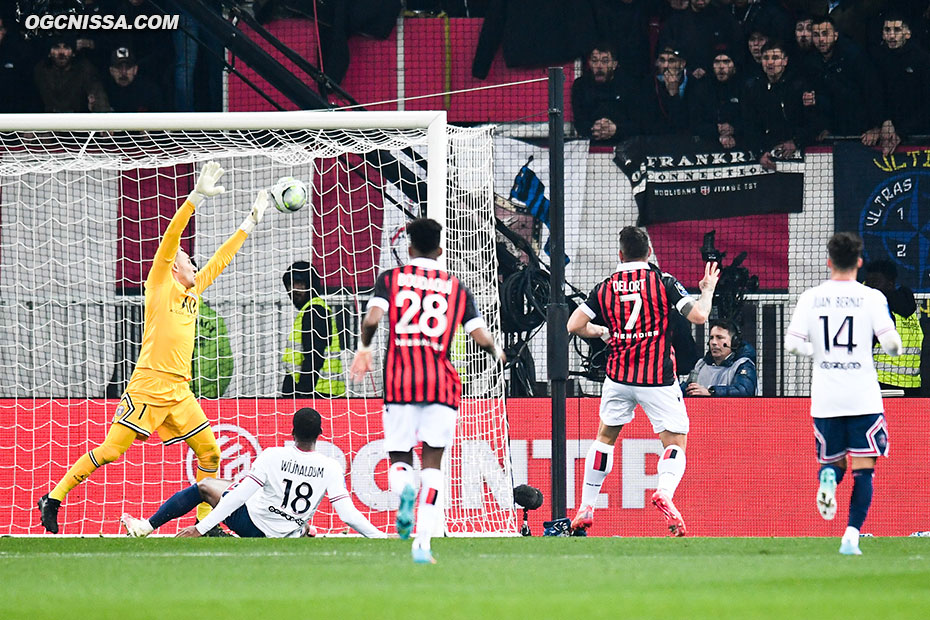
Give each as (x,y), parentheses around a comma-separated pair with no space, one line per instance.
(292,467)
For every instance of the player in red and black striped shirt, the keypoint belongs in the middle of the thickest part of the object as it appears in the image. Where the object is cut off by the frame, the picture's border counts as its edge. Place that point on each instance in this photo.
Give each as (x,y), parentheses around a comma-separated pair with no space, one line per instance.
(630,310)
(422,390)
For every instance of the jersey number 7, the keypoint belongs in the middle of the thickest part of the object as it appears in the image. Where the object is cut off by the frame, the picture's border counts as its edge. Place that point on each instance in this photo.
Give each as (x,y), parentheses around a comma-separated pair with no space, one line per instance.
(634,313)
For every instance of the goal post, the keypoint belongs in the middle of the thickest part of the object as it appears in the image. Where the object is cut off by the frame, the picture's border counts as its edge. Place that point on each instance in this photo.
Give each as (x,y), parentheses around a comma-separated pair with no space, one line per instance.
(84,200)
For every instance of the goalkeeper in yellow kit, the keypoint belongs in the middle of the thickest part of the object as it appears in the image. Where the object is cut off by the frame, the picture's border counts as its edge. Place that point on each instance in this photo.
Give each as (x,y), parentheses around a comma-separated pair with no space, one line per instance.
(158,397)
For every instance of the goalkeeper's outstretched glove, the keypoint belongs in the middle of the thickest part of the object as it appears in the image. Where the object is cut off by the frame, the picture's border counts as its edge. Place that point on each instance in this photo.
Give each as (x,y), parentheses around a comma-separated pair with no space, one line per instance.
(206,183)
(257,213)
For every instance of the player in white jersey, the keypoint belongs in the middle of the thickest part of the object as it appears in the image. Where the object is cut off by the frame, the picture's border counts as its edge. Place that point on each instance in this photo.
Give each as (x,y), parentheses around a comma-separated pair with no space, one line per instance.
(276,499)
(835,323)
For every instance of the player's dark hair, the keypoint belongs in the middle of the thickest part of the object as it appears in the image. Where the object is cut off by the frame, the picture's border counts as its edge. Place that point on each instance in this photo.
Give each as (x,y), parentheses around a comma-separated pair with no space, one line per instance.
(308,424)
(634,243)
(732,328)
(896,16)
(59,38)
(603,46)
(301,272)
(774,45)
(845,248)
(884,267)
(823,19)
(423,234)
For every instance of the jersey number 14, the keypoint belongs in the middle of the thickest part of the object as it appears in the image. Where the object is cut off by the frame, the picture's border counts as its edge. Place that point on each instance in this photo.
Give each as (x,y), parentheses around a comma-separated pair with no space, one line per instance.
(847,326)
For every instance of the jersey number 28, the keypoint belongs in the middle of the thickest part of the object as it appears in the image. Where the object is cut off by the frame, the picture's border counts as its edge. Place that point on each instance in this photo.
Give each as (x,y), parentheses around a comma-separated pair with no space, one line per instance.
(427,317)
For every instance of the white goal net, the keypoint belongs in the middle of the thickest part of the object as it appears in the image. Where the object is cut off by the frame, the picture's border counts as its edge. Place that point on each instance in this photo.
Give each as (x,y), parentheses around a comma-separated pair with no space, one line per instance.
(84,200)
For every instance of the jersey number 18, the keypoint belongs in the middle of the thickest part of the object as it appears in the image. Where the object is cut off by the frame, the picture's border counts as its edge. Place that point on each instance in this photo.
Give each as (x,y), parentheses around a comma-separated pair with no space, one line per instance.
(302,493)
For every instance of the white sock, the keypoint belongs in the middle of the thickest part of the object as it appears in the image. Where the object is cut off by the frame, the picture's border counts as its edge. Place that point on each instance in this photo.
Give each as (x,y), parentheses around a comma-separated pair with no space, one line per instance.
(671,468)
(429,510)
(597,464)
(851,534)
(399,476)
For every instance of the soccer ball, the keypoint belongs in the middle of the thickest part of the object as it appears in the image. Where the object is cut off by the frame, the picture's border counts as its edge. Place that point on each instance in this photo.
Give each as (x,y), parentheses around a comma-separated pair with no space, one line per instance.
(289,194)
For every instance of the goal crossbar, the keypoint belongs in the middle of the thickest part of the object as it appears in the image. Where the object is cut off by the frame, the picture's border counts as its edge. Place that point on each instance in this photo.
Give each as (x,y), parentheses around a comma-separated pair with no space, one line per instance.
(208,121)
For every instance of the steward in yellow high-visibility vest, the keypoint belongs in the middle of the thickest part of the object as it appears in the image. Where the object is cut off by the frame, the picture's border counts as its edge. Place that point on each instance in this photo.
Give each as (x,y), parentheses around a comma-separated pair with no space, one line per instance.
(312,356)
(903,371)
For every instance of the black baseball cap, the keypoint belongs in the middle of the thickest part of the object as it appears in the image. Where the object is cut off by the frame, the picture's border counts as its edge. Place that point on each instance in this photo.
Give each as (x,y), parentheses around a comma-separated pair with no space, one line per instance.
(122,56)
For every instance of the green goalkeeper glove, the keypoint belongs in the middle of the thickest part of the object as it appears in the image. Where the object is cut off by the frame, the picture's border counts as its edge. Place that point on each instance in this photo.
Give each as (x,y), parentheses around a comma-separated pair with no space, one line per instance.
(206,183)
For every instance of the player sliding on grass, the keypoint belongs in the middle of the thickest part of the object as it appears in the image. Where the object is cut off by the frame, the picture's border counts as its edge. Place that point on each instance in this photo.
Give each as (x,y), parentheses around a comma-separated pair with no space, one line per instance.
(835,323)
(276,499)
(422,389)
(631,308)
(158,397)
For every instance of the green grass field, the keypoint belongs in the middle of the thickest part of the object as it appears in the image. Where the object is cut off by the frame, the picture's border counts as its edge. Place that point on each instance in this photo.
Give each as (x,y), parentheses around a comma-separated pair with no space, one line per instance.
(97,578)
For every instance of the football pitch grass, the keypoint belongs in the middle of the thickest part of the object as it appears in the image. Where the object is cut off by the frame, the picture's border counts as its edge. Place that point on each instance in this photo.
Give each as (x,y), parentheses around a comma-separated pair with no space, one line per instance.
(99,578)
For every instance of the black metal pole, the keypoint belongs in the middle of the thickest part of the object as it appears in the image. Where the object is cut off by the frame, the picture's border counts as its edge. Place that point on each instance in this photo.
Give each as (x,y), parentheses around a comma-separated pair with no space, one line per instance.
(557,311)
(254,56)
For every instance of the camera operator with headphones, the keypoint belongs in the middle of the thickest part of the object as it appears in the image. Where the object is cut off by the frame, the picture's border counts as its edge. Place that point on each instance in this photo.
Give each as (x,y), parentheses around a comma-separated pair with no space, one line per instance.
(728,368)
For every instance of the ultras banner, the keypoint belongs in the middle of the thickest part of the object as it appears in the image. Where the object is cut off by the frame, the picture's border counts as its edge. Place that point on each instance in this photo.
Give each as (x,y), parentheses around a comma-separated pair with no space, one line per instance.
(674,181)
(886,199)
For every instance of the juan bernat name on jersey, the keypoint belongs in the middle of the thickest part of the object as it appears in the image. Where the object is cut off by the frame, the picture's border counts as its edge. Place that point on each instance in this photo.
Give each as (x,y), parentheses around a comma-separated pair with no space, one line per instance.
(293,467)
(839,301)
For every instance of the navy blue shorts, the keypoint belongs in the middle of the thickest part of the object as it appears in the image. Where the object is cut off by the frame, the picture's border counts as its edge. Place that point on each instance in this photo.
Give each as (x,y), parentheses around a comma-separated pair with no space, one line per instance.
(856,435)
(241,523)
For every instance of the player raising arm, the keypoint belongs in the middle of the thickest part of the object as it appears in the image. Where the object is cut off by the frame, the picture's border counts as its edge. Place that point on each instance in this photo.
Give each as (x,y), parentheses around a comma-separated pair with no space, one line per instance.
(422,390)
(632,309)
(835,323)
(276,499)
(158,396)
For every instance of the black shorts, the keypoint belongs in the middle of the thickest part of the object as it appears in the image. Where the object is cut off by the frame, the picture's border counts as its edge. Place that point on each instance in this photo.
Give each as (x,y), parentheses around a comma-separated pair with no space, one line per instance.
(856,435)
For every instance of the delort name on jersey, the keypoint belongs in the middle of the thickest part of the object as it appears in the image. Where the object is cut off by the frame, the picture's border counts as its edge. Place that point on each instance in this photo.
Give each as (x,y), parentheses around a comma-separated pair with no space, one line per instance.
(623,286)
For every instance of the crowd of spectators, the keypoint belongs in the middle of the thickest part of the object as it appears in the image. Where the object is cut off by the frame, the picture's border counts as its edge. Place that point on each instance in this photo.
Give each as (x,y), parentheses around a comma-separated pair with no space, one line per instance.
(108,70)
(769,75)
